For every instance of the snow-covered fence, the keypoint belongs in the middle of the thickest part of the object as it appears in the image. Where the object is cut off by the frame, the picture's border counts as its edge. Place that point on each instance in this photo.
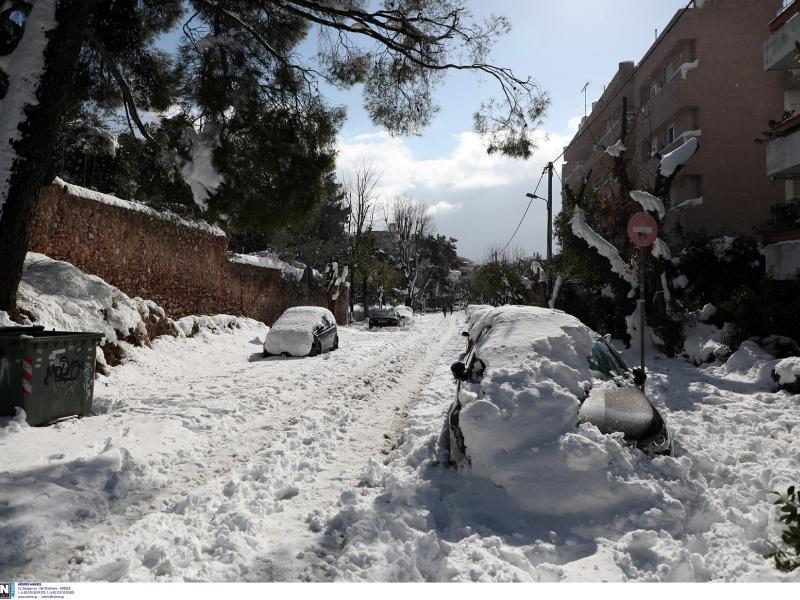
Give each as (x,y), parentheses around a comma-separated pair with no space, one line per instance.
(181,265)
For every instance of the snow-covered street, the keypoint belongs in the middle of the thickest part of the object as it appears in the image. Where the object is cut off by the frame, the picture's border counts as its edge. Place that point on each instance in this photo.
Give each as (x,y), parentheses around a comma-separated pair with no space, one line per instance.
(208,462)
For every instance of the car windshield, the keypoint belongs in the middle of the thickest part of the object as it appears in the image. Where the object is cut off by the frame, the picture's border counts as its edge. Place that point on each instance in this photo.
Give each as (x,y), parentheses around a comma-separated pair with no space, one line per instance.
(383,313)
(603,364)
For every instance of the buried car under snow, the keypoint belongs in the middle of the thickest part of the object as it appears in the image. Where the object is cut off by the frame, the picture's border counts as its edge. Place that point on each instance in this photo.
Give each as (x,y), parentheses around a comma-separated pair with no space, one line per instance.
(532,375)
(302,331)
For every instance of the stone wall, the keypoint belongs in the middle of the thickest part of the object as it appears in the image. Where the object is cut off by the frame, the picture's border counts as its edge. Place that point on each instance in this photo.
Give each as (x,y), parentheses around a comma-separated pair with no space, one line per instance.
(181,267)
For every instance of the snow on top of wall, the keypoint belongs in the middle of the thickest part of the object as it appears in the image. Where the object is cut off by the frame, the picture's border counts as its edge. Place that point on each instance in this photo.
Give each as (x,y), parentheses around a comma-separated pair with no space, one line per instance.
(582,230)
(24,68)
(679,156)
(81,192)
(649,202)
(268,260)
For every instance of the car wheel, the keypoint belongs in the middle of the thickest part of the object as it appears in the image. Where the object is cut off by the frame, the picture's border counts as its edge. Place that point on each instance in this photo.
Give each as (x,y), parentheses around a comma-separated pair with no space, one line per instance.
(335,343)
(316,348)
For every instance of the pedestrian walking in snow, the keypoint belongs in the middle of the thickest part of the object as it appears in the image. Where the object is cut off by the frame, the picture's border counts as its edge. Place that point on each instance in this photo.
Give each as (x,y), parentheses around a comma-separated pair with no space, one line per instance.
(444,310)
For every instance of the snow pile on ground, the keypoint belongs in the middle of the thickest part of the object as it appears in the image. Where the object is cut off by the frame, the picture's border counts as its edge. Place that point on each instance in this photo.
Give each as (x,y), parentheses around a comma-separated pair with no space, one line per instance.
(520,422)
(195,324)
(165,215)
(787,374)
(58,295)
(703,344)
(293,332)
(750,363)
(703,341)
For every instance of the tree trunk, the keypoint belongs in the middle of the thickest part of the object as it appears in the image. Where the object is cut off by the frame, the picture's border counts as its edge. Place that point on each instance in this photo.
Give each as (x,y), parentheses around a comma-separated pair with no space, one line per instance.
(30,170)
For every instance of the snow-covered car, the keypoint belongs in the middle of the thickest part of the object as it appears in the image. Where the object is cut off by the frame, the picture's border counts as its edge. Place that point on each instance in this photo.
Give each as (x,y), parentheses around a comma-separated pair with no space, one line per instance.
(474,314)
(533,374)
(406,313)
(385,317)
(302,331)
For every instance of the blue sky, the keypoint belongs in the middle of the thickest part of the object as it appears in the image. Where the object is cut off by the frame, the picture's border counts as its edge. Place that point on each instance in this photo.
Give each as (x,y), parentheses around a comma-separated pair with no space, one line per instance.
(479,200)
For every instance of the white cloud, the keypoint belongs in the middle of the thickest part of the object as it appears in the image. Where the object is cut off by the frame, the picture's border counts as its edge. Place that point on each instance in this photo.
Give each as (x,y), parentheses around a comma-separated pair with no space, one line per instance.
(467,167)
(444,207)
(574,123)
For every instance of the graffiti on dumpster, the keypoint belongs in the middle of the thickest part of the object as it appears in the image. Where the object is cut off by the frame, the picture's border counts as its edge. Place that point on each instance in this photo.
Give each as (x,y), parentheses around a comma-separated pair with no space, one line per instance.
(62,372)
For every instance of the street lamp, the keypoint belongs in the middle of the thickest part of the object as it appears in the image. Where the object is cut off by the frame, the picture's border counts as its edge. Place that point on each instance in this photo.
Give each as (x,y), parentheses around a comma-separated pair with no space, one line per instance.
(549,200)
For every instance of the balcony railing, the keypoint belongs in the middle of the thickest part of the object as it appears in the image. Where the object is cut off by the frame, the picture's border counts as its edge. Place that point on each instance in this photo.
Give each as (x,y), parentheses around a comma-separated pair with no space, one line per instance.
(790,8)
(783,156)
(780,50)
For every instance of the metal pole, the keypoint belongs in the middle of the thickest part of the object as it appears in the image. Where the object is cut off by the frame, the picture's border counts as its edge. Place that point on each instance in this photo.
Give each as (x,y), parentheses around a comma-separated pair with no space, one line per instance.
(641,304)
(549,224)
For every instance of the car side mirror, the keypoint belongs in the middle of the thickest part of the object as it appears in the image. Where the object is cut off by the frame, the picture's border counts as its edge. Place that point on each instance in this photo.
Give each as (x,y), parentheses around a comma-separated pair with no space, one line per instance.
(639,376)
(465,333)
(459,370)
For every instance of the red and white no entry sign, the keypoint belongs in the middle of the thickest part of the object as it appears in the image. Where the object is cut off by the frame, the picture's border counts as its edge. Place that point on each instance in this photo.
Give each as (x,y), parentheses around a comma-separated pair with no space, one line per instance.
(642,229)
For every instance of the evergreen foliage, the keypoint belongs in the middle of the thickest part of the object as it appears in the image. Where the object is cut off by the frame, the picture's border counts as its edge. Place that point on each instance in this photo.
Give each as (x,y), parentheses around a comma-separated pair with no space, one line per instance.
(788,559)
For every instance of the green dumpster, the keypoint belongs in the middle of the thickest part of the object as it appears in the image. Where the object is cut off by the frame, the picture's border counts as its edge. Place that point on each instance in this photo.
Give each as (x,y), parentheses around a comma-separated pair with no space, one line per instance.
(49,374)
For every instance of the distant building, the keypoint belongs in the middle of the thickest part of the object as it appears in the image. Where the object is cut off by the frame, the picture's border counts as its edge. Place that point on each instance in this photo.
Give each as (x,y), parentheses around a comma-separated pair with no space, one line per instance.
(783,152)
(704,78)
(466,266)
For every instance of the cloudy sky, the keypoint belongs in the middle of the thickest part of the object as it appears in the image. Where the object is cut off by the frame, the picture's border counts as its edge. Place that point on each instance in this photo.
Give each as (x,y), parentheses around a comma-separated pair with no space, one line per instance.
(479,199)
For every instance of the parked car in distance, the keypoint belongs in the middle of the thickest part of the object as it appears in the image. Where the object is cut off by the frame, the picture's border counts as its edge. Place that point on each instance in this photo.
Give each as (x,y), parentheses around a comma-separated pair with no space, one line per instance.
(302,331)
(552,356)
(406,313)
(385,317)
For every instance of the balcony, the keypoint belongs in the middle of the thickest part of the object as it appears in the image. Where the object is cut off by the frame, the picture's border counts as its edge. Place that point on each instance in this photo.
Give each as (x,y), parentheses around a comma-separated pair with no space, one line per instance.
(783,156)
(780,51)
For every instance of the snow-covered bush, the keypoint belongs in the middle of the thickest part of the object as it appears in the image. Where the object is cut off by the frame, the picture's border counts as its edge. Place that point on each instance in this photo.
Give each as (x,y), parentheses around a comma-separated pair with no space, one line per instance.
(787,374)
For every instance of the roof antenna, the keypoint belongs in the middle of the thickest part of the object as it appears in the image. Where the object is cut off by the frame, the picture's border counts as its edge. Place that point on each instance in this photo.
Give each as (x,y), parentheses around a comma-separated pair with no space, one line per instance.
(585,103)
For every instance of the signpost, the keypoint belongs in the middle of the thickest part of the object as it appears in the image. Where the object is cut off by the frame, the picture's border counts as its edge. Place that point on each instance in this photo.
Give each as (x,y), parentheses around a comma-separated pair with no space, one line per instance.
(642,231)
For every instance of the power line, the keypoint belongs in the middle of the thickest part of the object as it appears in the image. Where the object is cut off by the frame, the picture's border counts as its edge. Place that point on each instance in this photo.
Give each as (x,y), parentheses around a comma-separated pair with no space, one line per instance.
(524,214)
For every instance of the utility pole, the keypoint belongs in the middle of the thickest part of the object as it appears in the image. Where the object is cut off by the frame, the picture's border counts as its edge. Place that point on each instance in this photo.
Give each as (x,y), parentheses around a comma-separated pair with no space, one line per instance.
(549,224)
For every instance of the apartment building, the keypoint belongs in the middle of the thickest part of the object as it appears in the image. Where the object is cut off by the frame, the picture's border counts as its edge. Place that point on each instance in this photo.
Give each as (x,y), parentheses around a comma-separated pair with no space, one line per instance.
(703,77)
(783,151)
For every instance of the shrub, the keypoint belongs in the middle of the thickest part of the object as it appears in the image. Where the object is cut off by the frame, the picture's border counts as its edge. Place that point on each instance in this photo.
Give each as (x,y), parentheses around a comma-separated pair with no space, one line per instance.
(788,559)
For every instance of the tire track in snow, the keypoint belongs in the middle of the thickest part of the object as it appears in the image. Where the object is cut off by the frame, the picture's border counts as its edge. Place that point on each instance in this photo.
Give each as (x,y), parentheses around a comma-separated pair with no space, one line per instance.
(252,520)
